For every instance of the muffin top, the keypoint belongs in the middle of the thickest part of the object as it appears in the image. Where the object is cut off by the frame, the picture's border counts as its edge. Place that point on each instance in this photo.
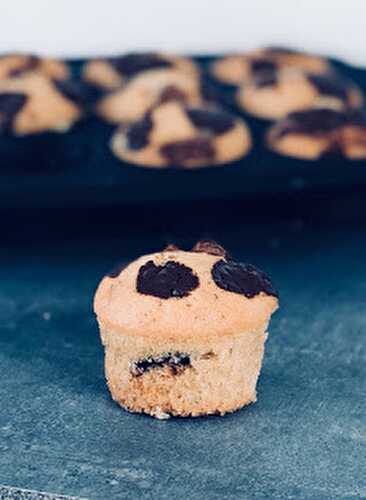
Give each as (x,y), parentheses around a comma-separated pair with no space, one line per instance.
(176,294)
(175,135)
(14,65)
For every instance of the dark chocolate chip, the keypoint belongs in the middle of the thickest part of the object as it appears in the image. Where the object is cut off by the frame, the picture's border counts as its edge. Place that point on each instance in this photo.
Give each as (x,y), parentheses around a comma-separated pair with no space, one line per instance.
(330,85)
(273,50)
(312,121)
(29,64)
(241,278)
(10,104)
(210,247)
(177,153)
(177,362)
(78,92)
(356,117)
(138,133)
(131,64)
(169,280)
(116,270)
(264,72)
(172,93)
(217,122)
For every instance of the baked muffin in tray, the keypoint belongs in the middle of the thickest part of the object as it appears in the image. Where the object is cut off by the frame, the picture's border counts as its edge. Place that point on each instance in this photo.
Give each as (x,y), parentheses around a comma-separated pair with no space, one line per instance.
(113,72)
(148,89)
(236,69)
(174,135)
(14,65)
(317,133)
(272,95)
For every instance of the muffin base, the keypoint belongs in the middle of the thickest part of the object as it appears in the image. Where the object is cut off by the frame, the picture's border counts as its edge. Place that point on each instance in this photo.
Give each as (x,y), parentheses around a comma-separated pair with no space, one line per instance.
(220,376)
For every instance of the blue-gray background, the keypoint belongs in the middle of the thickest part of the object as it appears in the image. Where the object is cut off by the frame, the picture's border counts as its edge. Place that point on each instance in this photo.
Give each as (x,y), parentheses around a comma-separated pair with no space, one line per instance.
(304,438)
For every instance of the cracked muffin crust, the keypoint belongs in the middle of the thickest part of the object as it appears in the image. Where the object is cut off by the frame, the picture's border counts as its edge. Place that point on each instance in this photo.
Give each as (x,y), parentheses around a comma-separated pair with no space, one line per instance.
(113,72)
(272,95)
(174,135)
(32,103)
(314,133)
(147,90)
(184,332)
(237,69)
(14,65)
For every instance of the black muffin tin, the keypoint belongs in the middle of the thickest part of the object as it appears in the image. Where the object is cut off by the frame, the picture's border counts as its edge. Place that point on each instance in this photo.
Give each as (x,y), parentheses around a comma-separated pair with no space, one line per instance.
(78,168)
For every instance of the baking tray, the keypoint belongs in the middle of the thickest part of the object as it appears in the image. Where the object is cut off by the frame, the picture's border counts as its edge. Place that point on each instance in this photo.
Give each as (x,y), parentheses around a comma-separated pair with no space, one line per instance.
(78,168)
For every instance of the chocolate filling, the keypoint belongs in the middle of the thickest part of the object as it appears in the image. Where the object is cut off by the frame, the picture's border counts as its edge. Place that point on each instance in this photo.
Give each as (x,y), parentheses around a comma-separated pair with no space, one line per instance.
(264,72)
(167,281)
(177,153)
(131,64)
(138,133)
(241,278)
(217,122)
(10,104)
(30,64)
(312,121)
(330,85)
(210,247)
(176,362)
(172,93)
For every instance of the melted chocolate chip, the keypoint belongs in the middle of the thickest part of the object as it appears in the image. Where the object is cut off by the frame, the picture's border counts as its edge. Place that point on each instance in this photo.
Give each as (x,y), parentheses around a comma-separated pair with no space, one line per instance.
(171,248)
(177,362)
(273,50)
(172,93)
(116,270)
(177,153)
(210,247)
(264,72)
(131,64)
(169,280)
(312,121)
(241,278)
(217,122)
(10,104)
(77,92)
(138,133)
(330,85)
(356,118)
(29,64)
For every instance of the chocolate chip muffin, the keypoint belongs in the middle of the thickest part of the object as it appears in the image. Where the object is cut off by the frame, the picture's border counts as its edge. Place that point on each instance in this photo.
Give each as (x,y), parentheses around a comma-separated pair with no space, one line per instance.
(184,332)
(174,135)
(14,65)
(147,90)
(272,95)
(315,133)
(237,69)
(32,103)
(113,72)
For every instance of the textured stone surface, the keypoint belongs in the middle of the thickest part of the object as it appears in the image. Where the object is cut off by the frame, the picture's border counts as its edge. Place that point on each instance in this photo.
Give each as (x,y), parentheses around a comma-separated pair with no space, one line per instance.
(61,432)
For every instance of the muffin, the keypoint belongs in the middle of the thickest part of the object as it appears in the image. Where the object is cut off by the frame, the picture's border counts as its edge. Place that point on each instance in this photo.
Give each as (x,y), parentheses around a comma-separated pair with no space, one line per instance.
(272,95)
(32,103)
(315,133)
(237,69)
(145,91)
(174,135)
(113,72)
(14,65)
(184,332)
